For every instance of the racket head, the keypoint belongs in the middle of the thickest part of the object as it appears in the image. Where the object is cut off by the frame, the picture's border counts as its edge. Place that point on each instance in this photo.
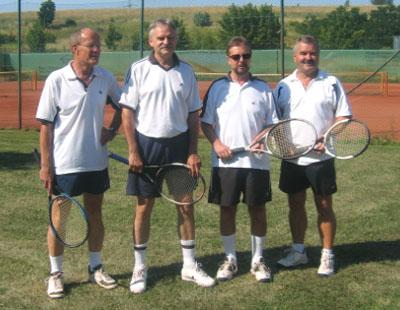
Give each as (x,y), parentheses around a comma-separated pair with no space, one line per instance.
(291,138)
(176,184)
(68,220)
(347,139)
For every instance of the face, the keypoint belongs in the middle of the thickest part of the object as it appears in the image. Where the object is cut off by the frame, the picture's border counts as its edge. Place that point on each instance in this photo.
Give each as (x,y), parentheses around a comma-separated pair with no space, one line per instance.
(88,49)
(239,59)
(306,57)
(163,41)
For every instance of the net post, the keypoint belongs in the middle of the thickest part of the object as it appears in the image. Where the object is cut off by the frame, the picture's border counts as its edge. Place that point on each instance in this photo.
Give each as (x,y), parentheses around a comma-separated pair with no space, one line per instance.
(34,80)
(385,83)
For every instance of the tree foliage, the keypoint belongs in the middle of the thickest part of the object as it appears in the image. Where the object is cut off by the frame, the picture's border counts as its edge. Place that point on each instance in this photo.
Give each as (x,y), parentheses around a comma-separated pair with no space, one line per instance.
(46,13)
(258,24)
(36,38)
(202,19)
(183,38)
(112,36)
(382,2)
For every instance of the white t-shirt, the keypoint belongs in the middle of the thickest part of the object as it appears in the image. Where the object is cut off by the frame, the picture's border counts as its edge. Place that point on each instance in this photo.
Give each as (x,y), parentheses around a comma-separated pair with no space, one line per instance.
(321,102)
(238,113)
(77,113)
(162,99)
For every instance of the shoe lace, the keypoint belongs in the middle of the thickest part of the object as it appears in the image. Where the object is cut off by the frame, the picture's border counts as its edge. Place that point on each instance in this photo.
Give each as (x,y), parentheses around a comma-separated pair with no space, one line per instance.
(102,273)
(139,274)
(199,271)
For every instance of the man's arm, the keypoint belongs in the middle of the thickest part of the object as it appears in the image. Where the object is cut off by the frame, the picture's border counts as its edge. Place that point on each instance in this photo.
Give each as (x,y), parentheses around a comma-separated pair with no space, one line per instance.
(222,151)
(128,124)
(46,160)
(194,160)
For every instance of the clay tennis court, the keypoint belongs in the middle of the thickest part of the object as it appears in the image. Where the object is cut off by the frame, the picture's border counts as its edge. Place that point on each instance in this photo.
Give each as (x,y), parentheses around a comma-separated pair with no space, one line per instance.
(381,113)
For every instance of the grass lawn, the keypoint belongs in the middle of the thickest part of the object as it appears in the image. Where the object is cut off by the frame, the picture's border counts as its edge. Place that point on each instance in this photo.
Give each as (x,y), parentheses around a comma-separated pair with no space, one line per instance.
(367,243)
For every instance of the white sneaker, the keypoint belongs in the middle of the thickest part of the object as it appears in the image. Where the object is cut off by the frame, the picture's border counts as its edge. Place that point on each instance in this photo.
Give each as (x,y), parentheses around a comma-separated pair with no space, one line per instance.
(55,285)
(139,280)
(227,270)
(327,266)
(197,275)
(102,278)
(293,259)
(261,271)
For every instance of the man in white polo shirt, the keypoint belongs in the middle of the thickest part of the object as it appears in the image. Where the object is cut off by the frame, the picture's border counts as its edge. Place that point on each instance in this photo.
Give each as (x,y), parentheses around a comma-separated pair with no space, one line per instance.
(161,121)
(236,109)
(314,95)
(73,145)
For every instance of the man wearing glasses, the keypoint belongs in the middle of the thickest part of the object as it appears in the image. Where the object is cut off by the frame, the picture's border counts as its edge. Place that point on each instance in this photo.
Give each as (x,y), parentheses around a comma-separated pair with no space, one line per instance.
(236,109)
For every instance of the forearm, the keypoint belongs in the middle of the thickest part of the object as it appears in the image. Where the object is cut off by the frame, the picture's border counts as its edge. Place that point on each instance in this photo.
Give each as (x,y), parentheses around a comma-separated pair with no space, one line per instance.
(194,127)
(128,125)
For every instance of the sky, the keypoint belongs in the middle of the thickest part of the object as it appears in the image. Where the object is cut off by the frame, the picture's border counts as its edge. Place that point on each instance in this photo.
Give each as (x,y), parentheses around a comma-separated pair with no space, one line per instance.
(34,5)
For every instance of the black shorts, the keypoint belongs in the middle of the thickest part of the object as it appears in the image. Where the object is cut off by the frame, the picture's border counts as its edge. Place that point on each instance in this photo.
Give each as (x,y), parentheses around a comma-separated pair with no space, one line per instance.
(156,151)
(227,184)
(75,184)
(320,176)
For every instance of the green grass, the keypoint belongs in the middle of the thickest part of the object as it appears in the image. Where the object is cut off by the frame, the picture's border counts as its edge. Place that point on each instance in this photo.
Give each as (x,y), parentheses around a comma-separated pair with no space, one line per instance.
(367,243)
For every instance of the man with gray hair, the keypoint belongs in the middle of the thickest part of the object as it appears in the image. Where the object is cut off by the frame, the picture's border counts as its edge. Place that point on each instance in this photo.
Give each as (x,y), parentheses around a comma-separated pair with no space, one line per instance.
(318,97)
(73,146)
(160,115)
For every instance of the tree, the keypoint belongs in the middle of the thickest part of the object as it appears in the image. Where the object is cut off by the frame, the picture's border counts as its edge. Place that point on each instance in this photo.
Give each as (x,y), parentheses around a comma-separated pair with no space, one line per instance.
(383,24)
(259,25)
(47,13)
(36,38)
(382,2)
(202,19)
(112,36)
(183,38)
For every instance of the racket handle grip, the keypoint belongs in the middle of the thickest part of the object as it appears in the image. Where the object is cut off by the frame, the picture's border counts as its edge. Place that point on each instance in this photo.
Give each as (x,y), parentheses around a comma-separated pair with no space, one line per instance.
(238,150)
(118,158)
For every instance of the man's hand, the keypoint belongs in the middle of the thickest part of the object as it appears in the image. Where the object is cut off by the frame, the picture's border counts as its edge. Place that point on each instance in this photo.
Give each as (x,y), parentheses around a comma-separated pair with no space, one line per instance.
(194,162)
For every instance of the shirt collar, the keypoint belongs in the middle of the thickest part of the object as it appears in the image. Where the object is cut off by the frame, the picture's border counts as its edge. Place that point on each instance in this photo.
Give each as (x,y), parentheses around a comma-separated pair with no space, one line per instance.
(153,60)
(229,78)
(320,75)
(71,75)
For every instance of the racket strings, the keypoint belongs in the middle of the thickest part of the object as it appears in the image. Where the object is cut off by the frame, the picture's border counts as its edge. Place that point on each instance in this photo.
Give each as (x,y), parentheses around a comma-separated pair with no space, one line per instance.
(179,185)
(347,139)
(68,222)
(291,139)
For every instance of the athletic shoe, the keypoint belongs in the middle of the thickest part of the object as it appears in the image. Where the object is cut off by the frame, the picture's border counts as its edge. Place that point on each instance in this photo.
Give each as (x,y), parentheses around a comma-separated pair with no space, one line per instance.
(293,259)
(138,282)
(327,266)
(227,270)
(261,271)
(197,275)
(55,285)
(99,276)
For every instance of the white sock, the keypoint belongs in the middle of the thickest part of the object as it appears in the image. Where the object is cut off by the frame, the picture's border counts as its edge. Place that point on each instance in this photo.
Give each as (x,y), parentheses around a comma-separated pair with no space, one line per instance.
(257,248)
(298,247)
(188,253)
(229,243)
(327,251)
(56,263)
(139,251)
(94,260)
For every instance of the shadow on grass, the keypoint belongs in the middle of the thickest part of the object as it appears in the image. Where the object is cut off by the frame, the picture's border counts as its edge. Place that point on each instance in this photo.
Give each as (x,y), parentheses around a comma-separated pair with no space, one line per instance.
(346,255)
(17,160)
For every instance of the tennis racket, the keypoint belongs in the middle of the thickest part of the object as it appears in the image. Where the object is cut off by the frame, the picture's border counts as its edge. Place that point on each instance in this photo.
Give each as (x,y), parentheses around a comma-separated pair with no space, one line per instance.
(346,139)
(68,219)
(174,182)
(288,139)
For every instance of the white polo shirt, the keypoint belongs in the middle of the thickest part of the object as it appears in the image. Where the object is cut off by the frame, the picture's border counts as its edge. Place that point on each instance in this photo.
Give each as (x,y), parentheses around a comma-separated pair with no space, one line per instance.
(162,99)
(321,102)
(77,113)
(238,113)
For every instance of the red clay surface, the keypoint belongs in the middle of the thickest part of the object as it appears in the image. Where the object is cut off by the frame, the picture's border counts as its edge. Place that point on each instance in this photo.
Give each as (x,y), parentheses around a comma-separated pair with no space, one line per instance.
(381,113)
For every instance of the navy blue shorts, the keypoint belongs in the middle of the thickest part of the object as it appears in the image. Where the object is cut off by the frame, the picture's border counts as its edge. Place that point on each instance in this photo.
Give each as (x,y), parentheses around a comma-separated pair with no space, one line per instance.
(156,151)
(227,185)
(320,176)
(75,184)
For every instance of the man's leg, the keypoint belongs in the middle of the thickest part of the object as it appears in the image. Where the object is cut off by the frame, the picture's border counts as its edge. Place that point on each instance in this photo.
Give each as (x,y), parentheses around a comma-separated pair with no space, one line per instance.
(141,235)
(93,204)
(191,270)
(55,288)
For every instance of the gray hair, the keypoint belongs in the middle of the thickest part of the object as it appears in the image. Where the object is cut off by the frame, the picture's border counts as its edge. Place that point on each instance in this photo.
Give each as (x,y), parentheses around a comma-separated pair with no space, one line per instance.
(306,39)
(76,37)
(161,22)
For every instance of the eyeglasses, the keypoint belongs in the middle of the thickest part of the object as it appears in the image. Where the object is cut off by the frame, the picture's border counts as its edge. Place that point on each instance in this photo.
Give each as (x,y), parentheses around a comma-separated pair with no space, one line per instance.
(236,57)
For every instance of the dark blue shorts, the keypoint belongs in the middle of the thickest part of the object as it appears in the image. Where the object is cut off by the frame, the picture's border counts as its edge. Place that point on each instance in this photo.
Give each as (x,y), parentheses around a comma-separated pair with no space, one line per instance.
(320,176)
(228,184)
(156,151)
(75,184)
